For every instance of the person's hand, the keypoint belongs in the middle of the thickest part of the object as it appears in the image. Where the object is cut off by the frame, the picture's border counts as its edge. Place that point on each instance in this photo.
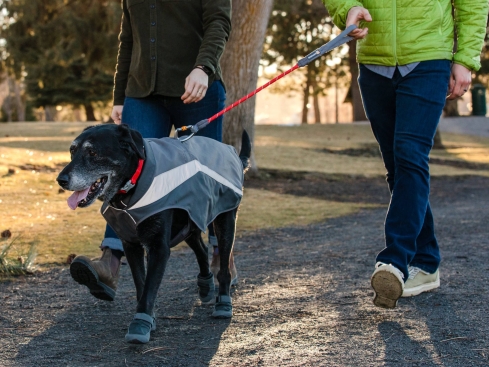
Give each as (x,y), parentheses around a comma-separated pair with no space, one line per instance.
(355,15)
(117,114)
(460,80)
(195,86)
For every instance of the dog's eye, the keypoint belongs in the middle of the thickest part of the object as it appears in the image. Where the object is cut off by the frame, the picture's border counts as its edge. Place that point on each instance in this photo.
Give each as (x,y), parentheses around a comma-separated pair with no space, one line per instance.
(92,153)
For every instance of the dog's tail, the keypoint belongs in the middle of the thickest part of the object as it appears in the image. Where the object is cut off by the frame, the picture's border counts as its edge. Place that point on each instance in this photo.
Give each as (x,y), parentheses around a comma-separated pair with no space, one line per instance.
(245,152)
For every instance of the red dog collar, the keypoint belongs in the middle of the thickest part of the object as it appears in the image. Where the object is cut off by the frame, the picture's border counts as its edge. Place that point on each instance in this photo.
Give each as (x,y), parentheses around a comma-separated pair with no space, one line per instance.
(132,182)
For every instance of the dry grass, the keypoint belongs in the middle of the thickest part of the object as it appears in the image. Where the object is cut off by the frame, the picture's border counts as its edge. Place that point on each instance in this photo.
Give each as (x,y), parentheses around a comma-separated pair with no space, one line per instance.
(33,208)
(298,148)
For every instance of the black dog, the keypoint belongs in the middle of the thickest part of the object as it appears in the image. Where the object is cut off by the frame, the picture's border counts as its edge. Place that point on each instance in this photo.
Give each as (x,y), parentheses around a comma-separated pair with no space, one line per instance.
(155,198)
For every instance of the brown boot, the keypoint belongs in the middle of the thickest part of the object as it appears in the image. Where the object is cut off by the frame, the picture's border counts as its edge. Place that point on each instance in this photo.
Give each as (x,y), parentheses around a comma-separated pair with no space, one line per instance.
(216,265)
(96,274)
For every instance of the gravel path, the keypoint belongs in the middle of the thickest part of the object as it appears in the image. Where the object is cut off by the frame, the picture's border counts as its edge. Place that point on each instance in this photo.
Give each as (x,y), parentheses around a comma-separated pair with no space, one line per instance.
(303,299)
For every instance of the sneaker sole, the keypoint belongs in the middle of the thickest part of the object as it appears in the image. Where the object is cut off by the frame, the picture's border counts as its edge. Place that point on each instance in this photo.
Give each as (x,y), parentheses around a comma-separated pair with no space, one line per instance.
(421,288)
(387,289)
(83,274)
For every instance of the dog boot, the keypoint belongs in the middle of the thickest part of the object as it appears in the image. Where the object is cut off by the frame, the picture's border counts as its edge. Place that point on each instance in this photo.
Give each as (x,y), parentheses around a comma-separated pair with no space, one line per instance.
(206,289)
(216,265)
(96,275)
(140,329)
(223,308)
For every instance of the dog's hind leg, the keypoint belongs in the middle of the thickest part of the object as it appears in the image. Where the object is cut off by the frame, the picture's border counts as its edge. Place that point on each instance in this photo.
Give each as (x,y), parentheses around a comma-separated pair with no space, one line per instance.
(225,228)
(155,233)
(205,279)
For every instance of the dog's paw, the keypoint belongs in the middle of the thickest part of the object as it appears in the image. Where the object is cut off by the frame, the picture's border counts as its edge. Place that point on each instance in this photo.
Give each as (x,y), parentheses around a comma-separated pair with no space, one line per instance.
(206,289)
(223,308)
(140,329)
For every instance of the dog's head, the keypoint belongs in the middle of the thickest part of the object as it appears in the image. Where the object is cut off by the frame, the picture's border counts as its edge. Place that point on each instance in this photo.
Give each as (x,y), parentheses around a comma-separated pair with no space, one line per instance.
(103,159)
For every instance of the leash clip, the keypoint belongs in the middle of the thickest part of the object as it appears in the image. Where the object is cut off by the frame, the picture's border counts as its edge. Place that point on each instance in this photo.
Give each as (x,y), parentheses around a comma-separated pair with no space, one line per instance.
(184,128)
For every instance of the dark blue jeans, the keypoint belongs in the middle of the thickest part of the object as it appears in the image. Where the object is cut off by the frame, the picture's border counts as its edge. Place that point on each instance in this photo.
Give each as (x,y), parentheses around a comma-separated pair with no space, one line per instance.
(404,113)
(154,117)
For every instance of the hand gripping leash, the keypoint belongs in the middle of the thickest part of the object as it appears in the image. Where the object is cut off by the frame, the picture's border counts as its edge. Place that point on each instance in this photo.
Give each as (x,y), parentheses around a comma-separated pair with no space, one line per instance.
(341,39)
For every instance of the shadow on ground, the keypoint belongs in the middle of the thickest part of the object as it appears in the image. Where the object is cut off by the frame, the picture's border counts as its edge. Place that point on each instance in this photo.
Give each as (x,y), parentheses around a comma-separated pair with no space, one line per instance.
(303,299)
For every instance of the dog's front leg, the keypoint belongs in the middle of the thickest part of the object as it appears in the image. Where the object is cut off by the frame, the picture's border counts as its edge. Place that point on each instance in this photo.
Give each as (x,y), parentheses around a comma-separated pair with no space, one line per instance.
(154,233)
(225,228)
(135,257)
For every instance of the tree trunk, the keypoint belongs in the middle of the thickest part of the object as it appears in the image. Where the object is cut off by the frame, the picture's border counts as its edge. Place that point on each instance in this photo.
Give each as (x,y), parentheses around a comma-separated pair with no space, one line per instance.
(240,63)
(356,98)
(305,102)
(89,112)
(19,101)
(336,103)
(315,98)
(437,143)
(50,113)
(451,108)
(8,104)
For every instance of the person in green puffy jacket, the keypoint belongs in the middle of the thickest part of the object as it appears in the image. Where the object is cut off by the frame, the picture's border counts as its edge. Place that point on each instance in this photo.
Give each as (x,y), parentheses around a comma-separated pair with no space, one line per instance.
(409,65)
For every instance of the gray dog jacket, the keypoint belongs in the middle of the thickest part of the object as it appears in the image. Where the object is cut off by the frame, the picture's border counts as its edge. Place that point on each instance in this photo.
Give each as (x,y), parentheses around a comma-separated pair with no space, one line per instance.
(201,176)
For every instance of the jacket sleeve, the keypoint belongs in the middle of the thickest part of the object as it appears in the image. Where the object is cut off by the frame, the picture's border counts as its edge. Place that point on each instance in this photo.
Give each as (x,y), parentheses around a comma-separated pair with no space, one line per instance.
(217,26)
(123,57)
(470,22)
(339,10)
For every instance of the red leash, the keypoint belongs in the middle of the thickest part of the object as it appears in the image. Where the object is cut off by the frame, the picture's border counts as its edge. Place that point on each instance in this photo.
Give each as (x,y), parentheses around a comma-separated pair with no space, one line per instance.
(248,96)
(341,39)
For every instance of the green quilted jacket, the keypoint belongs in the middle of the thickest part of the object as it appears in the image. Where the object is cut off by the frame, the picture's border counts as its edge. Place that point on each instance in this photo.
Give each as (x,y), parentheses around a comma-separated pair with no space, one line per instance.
(406,31)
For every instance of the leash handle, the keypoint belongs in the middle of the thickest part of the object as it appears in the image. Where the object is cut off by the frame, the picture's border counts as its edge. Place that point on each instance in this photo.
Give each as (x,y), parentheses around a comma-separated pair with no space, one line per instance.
(339,40)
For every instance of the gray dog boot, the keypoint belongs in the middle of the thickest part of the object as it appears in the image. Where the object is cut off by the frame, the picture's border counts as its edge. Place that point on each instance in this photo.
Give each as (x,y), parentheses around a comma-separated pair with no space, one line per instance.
(223,308)
(206,289)
(140,329)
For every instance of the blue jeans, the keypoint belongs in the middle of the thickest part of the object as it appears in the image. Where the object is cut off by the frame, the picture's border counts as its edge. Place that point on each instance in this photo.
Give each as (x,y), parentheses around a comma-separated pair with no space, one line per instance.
(404,113)
(154,116)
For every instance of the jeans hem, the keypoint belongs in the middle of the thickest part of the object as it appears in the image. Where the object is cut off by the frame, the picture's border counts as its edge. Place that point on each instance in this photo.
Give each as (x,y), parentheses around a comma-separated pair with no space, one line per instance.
(112,243)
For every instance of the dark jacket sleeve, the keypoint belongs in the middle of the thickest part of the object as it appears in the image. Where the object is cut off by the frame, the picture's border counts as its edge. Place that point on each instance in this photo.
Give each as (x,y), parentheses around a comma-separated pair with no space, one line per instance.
(123,57)
(217,26)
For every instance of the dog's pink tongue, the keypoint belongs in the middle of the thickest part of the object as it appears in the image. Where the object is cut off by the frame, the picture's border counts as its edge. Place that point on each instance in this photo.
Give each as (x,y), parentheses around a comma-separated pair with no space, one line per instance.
(76,197)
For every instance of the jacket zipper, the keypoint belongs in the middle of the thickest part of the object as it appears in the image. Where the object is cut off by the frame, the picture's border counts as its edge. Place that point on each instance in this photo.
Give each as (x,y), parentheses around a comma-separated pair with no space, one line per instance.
(394,35)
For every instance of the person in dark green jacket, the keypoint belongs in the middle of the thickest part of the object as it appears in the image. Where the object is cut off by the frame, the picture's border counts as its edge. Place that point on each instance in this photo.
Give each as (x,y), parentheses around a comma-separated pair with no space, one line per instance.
(167,75)
(408,68)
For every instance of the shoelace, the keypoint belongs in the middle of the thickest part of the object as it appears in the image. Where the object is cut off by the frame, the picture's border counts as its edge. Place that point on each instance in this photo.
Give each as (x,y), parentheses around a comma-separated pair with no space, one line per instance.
(413,271)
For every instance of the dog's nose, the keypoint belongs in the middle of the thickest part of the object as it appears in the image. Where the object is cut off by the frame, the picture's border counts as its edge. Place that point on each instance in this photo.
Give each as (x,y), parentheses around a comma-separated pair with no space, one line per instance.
(63,180)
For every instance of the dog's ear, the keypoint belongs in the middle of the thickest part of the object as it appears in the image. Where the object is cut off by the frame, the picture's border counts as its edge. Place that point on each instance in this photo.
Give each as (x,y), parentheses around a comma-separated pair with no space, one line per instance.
(133,138)
(88,127)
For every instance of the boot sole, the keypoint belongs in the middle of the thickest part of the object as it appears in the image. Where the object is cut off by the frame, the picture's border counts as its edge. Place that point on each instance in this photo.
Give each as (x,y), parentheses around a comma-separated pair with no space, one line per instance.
(387,288)
(85,275)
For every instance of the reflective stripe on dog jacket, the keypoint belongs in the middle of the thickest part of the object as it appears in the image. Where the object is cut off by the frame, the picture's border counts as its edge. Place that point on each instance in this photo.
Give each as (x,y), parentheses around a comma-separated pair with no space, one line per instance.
(201,176)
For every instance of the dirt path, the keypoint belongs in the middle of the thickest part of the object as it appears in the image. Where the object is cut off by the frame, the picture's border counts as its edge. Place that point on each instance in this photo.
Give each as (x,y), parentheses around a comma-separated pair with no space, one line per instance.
(303,300)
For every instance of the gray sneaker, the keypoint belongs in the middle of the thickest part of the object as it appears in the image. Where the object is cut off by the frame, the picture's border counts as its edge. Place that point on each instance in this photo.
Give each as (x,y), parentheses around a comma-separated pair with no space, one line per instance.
(388,284)
(420,281)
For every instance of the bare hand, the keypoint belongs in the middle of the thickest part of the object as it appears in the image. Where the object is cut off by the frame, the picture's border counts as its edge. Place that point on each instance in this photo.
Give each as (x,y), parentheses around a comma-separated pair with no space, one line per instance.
(355,15)
(195,86)
(460,80)
(117,114)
